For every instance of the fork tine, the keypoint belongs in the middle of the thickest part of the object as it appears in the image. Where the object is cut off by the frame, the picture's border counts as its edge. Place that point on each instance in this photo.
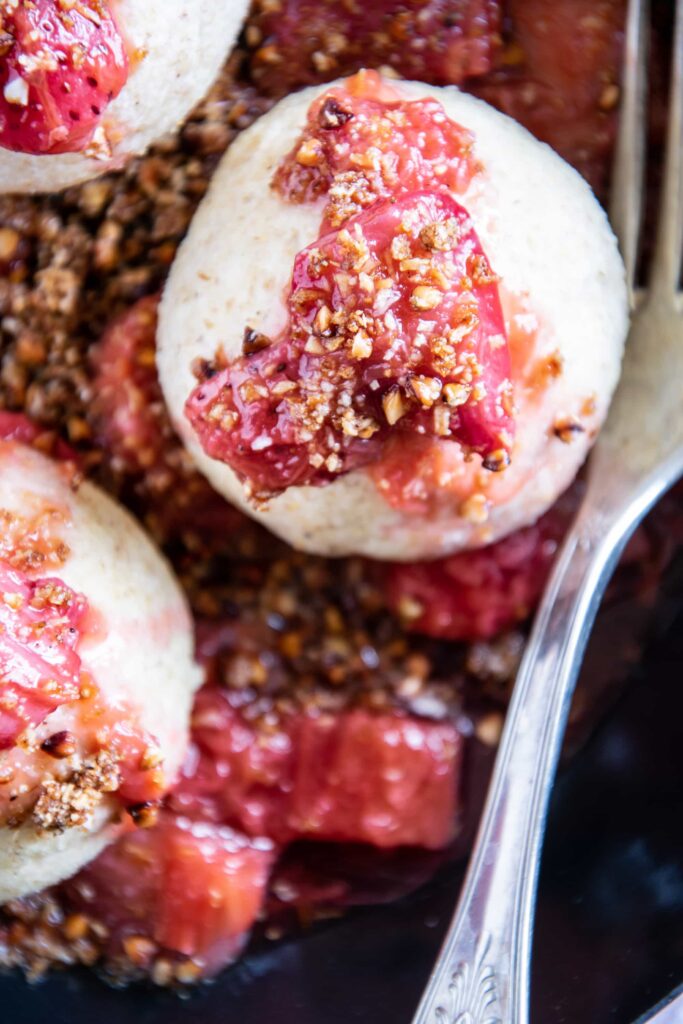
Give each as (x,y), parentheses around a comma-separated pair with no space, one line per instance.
(629,164)
(666,264)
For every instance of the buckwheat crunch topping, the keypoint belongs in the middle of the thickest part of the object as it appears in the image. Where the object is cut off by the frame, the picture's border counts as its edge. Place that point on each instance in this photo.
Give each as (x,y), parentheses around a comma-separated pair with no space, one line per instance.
(69,803)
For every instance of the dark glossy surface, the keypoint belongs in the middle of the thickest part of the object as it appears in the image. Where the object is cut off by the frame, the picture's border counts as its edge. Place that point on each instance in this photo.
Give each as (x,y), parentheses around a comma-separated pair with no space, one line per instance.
(609,940)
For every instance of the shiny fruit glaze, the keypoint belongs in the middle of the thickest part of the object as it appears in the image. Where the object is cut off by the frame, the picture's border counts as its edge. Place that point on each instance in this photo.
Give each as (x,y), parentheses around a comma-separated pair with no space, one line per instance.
(395,323)
(60,66)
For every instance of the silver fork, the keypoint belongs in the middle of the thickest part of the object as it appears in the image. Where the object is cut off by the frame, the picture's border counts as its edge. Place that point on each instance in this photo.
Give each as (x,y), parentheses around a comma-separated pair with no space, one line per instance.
(482,974)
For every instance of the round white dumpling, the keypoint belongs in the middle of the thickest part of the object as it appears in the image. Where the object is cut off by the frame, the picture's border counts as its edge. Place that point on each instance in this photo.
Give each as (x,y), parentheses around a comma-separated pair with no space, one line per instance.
(178,47)
(563,295)
(137,648)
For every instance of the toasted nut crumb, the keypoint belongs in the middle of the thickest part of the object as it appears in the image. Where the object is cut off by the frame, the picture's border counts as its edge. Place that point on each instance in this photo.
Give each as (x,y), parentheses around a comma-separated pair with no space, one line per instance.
(609,97)
(144,815)
(253,341)
(424,297)
(456,394)
(60,744)
(361,347)
(442,420)
(9,242)
(497,460)
(426,389)
(489,728)
(394,406)
(309,153)
(566,428)
(76,927)
(139,949)
(332,115)
(441,235)
(475,509)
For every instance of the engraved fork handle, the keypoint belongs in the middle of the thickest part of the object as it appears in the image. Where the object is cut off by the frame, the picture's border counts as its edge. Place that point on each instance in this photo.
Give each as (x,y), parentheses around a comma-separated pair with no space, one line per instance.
(482,974)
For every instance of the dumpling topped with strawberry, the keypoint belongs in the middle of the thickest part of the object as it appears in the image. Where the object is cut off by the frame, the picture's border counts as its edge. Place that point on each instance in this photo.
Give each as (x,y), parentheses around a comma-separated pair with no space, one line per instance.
(84,84)
(396,323)
(96,669)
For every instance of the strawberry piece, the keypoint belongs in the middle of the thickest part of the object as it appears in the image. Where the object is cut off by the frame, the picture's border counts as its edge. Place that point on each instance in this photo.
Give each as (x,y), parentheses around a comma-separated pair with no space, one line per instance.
(134,429)
(252,415)
(475,595)
(61,66)
(192,888)
(384,779)
(440,41)
(40,627)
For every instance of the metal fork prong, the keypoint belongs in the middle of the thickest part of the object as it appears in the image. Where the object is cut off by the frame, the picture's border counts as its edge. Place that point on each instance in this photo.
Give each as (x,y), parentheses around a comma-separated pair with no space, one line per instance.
(666,264)
(629,164)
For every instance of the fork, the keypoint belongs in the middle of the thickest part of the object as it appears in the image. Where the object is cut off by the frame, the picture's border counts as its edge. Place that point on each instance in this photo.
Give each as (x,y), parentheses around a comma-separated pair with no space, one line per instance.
(482,974)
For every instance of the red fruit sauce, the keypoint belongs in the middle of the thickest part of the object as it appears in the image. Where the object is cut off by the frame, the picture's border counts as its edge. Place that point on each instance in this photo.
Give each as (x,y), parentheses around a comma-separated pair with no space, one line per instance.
(395,323)
(432,41)
(475,595)
(60,68)
(191,887)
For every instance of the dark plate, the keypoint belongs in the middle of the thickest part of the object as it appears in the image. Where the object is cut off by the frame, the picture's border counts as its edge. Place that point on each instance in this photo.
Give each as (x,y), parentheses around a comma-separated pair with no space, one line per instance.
(609,937)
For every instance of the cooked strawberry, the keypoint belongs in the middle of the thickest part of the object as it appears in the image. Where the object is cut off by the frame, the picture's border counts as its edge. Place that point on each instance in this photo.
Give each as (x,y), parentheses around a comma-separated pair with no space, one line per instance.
(133,427)
(180,887)
(302,42)
(384,779)
(40,624)
(61,66)
(476,594)
(352,368)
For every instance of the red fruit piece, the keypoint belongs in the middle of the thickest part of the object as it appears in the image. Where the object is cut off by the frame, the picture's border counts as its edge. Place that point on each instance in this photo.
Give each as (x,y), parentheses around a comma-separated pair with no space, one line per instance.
(16,426)
(40,627)
(134,430)
(475,595)
(131,420)
(192,888)
(61,65)
(403,358)
(384,779)
(432,41)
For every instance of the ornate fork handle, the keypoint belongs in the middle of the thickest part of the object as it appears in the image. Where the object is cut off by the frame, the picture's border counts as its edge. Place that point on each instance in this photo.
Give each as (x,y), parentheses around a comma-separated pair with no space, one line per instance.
(482,975)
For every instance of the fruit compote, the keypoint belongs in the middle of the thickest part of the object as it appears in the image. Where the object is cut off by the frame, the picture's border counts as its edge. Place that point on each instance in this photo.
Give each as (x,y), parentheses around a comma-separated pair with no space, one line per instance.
(395,322)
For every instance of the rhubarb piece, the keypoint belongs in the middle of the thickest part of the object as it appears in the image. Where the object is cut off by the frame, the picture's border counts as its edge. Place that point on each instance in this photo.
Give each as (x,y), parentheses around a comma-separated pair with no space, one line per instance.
(40,627)
(188,889)
(385,779)
(475,595)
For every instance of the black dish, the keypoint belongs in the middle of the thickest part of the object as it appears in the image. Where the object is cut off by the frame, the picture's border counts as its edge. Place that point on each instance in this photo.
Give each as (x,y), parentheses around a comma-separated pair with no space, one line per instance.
(609,941)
